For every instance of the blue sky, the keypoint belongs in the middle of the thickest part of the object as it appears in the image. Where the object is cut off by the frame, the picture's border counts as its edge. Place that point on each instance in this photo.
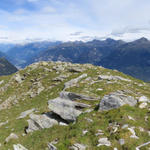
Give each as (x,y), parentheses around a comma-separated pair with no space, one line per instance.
(29,20)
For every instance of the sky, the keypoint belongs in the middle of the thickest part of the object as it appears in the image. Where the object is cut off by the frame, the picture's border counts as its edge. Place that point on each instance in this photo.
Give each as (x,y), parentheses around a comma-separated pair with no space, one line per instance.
(70,20)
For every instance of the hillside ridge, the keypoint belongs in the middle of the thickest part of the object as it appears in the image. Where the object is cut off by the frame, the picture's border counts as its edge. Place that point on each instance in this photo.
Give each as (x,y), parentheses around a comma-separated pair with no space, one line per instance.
(61,106)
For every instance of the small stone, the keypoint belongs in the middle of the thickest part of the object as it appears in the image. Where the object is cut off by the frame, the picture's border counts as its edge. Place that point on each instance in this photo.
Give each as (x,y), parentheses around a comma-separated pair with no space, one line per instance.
(131,118)
(99,132)
(143,99)
(51,146)
(133,133)
(84,132)
(99,89)
(141,129)
(104,141)
(78,146)
(143,105)
(125,126)
(10,137)
(121,141)
(19,147)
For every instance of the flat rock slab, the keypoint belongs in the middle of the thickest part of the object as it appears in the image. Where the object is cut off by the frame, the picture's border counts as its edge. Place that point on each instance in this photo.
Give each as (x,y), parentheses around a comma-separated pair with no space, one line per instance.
(104,141)
(66,109)
(37,122)
(116,100)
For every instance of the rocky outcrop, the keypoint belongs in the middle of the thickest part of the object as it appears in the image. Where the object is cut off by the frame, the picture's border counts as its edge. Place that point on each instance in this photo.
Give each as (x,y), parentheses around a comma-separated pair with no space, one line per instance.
(116,100)
(17,77)
(66,109)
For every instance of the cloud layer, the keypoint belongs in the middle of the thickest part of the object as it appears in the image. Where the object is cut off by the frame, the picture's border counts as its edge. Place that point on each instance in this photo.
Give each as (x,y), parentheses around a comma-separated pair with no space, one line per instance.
(73,19)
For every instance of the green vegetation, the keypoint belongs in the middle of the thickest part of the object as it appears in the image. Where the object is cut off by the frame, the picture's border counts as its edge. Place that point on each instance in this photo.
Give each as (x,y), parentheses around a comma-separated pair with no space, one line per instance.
(68,135)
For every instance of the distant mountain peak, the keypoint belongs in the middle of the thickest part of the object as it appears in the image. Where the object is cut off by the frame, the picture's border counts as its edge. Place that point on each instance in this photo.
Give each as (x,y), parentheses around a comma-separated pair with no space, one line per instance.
(143,39)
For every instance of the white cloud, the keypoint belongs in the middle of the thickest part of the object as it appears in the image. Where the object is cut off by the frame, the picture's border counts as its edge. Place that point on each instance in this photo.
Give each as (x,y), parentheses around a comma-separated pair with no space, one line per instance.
(76,20)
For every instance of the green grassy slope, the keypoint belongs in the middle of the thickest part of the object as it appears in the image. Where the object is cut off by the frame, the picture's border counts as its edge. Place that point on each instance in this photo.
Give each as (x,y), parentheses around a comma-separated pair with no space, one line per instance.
(21,100)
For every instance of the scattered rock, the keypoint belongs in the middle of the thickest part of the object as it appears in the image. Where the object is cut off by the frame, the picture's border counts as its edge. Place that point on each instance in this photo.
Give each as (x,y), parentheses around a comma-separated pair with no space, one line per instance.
(116,100)
(19,147)
(11,137)
(133,133)
(104,141)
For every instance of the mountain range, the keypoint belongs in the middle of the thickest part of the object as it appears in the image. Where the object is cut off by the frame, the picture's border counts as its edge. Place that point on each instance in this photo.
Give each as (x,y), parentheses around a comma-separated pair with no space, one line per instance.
(132,58)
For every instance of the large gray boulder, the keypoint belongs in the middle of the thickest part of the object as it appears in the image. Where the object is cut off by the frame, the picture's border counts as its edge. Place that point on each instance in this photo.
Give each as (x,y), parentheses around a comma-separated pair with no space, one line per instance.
(74,96)
(116,100)
(66,109)
(37,122)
